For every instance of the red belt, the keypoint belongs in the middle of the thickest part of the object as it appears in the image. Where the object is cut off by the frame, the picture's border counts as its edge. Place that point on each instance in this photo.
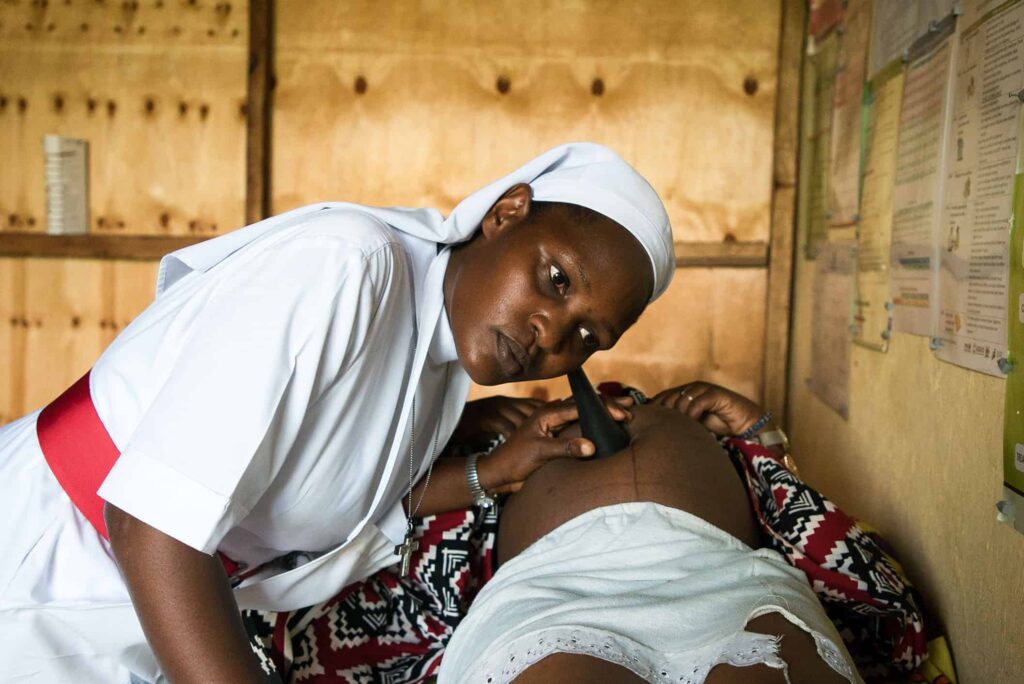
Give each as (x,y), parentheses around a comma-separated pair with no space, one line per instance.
(80,453)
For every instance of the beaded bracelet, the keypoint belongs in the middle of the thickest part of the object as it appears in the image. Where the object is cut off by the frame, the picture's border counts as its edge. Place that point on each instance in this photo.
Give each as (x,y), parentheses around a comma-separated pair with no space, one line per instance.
(752,430)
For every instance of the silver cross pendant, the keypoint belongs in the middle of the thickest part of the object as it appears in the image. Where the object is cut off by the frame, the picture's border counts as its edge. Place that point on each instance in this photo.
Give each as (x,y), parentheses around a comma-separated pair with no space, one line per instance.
(405,550)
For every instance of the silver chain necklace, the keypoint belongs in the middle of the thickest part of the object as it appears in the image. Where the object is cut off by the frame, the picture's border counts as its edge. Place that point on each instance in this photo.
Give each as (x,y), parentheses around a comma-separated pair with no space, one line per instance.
(409,545)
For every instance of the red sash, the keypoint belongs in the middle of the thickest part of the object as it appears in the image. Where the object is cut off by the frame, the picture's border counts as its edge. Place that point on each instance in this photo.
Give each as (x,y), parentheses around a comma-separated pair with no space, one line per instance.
(80,453)
(78,449)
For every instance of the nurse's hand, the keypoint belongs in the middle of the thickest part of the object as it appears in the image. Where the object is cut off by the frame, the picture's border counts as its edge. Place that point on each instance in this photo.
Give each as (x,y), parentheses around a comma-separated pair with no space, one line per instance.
(720,410)
(493,416)
(537,441)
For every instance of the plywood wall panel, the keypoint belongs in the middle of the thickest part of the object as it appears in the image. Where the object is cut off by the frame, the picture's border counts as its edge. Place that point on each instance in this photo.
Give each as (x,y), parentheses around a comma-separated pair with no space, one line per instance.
(400,102)
(701,329)
(159,92)
(56,317)
(420,103)
(134,286)
(12,338)
(64,309)
(157,87)
(666,30)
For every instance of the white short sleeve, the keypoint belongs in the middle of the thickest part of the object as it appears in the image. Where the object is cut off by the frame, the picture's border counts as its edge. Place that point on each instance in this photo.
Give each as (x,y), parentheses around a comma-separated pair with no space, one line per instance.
(275,326)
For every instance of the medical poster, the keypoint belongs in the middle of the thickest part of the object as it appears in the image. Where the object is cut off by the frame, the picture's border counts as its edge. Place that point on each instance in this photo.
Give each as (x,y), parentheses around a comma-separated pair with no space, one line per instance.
(1013,430)
(980,163)
(896,24)
(830,341)
(973,11)
(823,71)
(824,15)
(917,195)
(871,311)
(844,158)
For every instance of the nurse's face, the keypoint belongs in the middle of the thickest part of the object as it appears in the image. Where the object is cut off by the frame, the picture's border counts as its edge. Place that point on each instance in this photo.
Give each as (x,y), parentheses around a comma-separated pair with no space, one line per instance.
(536,292)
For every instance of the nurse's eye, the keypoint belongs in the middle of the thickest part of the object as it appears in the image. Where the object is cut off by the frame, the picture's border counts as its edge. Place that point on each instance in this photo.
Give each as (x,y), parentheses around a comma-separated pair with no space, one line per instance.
(558,278)
(590,340)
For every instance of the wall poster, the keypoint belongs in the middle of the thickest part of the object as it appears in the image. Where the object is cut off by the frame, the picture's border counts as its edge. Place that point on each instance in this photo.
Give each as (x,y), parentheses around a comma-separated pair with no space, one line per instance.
(1011,508)
(896,24)
(918,191)
(823,71)
(871,313)
(830,341)
(980,161)
(844,157)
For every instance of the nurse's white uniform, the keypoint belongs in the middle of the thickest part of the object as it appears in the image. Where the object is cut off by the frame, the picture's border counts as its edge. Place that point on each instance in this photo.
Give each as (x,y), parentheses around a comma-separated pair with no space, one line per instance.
(255,408)
(261,406)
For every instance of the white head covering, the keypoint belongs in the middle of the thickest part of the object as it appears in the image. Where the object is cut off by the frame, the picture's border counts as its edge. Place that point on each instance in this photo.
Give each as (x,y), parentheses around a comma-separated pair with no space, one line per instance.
(585,174)
(588,175)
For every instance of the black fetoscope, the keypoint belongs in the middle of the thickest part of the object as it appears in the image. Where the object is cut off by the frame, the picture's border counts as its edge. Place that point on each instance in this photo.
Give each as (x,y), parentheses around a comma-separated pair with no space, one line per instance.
(596,424)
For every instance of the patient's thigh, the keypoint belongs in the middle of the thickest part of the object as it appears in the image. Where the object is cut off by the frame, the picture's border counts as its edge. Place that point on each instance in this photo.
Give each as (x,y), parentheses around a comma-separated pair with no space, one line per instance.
(575,668)
(803,664)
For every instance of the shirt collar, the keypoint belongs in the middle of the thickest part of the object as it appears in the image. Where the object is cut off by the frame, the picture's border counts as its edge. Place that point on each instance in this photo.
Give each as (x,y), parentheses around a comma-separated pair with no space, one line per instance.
(442,346)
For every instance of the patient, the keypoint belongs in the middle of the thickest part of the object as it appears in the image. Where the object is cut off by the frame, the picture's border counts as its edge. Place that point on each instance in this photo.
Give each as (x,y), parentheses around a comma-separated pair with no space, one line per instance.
(642,568)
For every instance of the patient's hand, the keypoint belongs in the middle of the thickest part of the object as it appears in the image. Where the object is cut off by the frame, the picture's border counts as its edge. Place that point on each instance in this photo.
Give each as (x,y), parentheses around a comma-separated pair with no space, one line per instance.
(493,416)
(724,412)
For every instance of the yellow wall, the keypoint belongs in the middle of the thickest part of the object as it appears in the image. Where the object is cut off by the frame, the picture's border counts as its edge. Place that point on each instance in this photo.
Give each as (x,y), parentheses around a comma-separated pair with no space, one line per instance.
(920,459)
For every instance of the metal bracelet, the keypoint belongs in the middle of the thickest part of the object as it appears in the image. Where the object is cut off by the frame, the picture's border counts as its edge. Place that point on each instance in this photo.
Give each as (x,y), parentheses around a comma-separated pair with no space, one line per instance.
(480,497)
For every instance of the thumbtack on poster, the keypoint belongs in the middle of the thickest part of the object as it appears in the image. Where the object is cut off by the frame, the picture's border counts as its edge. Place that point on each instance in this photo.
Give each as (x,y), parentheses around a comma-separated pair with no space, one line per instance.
(67,185)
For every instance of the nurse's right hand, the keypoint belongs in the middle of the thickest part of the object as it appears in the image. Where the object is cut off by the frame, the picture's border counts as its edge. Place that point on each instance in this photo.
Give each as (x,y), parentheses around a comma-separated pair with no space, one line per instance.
(534,443)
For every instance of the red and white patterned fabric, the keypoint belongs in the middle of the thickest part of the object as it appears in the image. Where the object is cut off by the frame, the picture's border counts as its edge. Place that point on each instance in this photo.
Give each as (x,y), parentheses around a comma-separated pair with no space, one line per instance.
(388,629)
(392,630)
(863,590)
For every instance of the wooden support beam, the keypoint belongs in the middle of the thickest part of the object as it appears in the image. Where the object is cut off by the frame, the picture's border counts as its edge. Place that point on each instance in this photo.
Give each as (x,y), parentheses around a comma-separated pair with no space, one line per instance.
(778,314)
(721,254)
(257,137)
(133,247)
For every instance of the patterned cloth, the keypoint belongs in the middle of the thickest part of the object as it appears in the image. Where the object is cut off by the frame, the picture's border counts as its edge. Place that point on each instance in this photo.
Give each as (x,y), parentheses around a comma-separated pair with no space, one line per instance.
(388,629)
(863,590)
(391,630)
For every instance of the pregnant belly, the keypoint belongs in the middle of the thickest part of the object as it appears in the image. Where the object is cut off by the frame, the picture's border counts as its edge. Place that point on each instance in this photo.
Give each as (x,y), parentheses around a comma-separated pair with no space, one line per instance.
(672,461)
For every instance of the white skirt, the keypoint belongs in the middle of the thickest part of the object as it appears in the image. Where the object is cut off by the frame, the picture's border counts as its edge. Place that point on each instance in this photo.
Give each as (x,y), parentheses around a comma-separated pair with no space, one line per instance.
(656,590)
(65,612)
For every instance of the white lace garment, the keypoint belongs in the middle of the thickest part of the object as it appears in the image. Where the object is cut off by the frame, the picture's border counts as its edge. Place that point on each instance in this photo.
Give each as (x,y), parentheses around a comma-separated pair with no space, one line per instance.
(656,590)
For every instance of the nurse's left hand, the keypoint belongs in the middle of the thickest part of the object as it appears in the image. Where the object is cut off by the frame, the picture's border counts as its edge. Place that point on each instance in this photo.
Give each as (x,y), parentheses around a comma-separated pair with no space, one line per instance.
(494,415)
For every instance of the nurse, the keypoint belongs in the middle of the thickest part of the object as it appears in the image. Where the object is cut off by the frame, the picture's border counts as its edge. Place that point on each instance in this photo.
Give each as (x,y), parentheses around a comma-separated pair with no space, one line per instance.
(252,438)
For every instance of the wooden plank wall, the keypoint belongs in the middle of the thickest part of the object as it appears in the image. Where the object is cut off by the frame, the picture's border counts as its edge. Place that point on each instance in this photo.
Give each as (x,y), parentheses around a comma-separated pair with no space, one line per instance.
(420,102)
(158,88)
(413,102)
(778,314)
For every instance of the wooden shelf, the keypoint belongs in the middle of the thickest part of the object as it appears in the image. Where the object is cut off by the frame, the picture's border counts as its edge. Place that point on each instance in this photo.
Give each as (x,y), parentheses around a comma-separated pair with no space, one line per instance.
(133,247)
(730,254)
(150,247)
